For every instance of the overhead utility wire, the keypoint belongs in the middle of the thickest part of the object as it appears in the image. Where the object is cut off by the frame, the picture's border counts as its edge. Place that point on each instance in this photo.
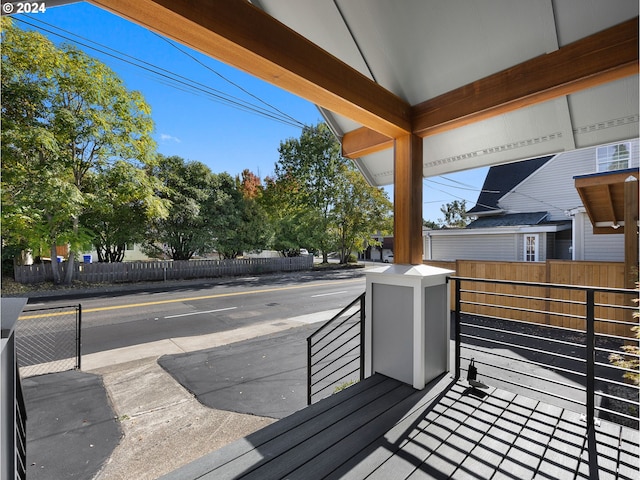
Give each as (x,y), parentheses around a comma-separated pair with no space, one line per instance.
(453,180)
(461,188)
(238,86)
(222,97)
(465,199)
(493,191)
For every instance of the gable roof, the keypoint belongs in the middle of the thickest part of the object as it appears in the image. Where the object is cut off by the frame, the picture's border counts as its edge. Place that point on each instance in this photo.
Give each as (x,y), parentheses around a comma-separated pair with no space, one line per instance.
(501,180)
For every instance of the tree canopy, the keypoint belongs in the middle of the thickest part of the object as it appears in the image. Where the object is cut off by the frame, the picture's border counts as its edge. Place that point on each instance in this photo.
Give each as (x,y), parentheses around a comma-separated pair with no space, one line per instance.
(64,117)
(455,214)
(319,201)
(80,168)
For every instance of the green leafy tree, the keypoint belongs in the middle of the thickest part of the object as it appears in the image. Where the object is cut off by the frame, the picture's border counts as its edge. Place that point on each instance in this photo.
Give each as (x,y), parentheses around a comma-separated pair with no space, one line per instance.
(319,200)
(359,210)
(288,220)
(122,202)
(241,223)
(187,228)
(65,115)
(455,214)
(309,168)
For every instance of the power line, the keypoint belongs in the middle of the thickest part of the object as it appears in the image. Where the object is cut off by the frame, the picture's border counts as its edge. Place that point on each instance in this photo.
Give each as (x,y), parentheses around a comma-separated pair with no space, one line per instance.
(240,87)
(555,207)
(173,79)
(465,199)
(460,188)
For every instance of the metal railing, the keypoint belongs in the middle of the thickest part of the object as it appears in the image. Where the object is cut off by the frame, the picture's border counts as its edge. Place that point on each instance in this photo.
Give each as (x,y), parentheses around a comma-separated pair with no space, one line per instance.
(335,352)
(13,427)
(21,429)
(49,340)
(561,364)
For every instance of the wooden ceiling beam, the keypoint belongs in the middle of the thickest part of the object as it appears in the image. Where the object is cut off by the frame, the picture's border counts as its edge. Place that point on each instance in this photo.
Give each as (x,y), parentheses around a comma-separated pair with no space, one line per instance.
(364,141)
(608,203)
(600,58)
(243,36)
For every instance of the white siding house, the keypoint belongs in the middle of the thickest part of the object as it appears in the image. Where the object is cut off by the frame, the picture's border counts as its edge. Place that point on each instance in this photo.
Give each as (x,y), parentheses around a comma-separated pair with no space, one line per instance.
(537,214)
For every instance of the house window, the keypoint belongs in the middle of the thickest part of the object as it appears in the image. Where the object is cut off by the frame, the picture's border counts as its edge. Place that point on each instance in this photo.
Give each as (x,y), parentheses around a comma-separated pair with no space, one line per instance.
(613,157)
(531,247)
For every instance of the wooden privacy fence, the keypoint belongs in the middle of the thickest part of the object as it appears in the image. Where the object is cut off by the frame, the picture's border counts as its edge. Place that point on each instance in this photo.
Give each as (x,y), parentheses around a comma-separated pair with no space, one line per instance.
(162,270)
(490,299)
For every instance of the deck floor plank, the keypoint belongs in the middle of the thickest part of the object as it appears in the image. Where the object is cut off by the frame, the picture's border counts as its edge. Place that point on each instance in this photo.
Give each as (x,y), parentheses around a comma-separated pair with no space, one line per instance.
(304,438)
(380,429)
(308,446)
(378,450)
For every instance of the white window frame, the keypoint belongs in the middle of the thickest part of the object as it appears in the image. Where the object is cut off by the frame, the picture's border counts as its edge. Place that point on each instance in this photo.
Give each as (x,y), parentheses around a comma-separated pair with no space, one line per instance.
(536,247)
(604,157)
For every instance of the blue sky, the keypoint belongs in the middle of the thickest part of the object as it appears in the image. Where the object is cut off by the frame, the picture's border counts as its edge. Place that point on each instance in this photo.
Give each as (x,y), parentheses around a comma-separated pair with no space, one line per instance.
(194,125)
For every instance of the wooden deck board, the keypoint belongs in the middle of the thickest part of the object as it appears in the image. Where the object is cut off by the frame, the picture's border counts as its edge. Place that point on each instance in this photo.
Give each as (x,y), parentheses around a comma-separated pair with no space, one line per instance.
(308,438)
(382,429)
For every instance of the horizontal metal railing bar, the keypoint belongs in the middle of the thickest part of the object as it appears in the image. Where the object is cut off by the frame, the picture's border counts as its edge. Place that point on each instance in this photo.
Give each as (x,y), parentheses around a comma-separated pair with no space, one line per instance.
(50,308)
(550,285)
(523,297)
(524,335)
(342,312)
(613,412)
(328,344)
(519,309)
(333,383)
(614,382)
(525,322)
(616,367)
(614,337)
(564,301)
(522,347)
(620,399)
(615,322)
(531,375)
(335,349)
(335,327)
(529,362)
(612,305)
(617,352)
(337,359)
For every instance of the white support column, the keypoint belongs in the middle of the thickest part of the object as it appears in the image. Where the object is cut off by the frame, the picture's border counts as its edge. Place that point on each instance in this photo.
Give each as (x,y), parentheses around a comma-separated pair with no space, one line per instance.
(407,323)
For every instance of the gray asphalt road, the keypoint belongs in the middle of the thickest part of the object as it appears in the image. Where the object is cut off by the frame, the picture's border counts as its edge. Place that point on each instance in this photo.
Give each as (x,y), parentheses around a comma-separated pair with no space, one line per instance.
(121,319)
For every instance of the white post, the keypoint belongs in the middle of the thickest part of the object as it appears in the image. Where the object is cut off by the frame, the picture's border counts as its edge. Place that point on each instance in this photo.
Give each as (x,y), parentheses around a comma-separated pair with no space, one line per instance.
(407,323)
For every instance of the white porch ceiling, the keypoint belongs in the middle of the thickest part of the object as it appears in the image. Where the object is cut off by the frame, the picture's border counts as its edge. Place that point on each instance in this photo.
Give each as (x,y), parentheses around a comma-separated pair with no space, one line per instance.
(419,49)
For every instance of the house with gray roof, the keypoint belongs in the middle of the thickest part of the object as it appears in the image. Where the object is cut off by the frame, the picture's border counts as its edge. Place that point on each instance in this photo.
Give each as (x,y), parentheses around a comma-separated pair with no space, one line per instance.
(531,211)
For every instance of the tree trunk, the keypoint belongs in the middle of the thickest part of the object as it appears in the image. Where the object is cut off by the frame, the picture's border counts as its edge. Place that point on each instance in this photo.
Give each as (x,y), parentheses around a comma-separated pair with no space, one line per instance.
(72,255)
(70,268)
(54,264)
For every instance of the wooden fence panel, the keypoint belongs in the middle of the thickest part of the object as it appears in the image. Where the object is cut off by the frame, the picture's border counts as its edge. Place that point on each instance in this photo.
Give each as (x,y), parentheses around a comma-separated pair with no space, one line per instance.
(502,300)
(162,270)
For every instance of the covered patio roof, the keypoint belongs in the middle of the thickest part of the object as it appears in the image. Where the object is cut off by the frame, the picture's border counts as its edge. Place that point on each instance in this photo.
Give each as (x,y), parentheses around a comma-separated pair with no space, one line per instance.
(611,202)
(419,88)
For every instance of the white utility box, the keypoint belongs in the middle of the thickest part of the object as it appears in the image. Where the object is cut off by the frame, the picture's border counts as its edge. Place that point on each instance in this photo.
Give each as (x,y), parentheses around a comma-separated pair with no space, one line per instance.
(407,323)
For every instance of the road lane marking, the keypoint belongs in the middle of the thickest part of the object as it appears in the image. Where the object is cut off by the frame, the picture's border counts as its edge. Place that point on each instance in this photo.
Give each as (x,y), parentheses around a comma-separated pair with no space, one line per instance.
(327,294)
(200,313)
(191,299)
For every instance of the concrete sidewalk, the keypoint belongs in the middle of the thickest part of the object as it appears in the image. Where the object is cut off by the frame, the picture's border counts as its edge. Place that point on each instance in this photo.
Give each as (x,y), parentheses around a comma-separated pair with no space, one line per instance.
(163,426)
